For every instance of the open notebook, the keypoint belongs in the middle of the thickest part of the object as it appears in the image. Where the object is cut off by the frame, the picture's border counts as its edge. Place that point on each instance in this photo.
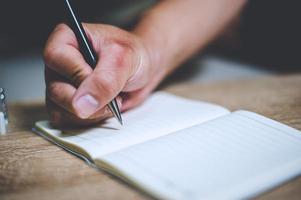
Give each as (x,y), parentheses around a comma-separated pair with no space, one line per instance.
(174,148)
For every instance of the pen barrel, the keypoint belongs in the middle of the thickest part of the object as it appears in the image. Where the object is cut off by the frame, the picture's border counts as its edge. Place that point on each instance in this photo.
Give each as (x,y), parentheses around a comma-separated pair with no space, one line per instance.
(87,49)
(85,46)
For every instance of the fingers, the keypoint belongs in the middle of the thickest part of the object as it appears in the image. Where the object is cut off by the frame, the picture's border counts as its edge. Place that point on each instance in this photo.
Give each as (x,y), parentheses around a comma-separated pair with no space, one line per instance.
(61,94)
(61,54)
(133,99)
(83,93)
(63,119)
(59,117)
(106,81)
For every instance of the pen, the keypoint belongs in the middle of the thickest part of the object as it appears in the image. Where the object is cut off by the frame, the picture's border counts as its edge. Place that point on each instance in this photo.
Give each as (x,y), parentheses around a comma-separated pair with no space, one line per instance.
(88,51)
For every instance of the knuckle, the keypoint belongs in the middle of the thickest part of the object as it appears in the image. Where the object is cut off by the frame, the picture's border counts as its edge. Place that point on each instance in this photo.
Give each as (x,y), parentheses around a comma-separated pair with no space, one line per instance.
(79,74)
(50,52)
(61,27)
(54,91)
(50,55)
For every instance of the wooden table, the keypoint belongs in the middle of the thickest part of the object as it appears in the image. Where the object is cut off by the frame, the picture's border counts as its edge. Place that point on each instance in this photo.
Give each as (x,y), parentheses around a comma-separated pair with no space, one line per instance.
(32,168)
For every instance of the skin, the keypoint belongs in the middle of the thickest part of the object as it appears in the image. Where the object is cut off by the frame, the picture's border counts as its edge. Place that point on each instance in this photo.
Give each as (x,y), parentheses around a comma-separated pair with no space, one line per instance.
(131,64)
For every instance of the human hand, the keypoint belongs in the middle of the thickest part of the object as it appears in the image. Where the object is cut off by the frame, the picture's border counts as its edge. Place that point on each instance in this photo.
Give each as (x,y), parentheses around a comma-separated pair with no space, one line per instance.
(78,95)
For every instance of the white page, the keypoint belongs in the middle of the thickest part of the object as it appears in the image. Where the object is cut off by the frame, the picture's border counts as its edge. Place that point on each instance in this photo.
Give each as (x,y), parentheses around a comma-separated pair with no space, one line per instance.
(233,157)
(161,114)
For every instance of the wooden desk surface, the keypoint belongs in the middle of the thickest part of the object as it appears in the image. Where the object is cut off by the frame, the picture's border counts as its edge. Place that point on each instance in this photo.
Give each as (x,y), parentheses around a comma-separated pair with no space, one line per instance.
(32,168)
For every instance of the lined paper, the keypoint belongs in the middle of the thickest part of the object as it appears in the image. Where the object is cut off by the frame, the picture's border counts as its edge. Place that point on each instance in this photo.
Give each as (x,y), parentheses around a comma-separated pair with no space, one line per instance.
(160,115)
(236,156)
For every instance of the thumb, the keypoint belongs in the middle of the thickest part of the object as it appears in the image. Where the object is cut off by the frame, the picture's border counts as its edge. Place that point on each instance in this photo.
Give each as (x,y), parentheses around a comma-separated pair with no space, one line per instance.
(104,84)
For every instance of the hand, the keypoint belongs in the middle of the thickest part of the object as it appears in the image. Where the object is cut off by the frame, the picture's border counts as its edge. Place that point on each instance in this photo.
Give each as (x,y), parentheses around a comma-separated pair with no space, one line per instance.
(78,95)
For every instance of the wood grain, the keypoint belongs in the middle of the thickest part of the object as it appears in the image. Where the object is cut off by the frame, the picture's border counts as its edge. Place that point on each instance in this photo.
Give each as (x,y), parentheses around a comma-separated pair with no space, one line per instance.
(33,168)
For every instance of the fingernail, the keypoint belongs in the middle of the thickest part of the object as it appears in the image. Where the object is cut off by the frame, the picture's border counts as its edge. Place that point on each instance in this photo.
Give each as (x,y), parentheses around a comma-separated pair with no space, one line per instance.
(86,106)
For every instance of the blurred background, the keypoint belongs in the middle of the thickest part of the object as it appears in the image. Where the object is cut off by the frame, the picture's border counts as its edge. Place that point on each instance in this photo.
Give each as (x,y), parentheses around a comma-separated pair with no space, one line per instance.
(263,40)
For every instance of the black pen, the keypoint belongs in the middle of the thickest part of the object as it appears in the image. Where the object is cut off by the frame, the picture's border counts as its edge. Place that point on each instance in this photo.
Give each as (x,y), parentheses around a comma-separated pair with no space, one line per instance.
(87,51)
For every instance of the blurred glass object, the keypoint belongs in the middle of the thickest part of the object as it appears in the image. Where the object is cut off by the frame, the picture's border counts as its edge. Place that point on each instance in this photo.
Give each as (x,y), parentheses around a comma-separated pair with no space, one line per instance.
(3,107)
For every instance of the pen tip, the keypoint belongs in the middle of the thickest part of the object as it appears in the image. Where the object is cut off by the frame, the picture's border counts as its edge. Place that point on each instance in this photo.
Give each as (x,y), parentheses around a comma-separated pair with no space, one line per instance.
(120,121)
(115,110)
(119,118)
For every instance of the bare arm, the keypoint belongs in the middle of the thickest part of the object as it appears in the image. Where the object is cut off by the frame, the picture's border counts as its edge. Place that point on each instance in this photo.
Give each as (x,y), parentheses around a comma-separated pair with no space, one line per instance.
(174,29)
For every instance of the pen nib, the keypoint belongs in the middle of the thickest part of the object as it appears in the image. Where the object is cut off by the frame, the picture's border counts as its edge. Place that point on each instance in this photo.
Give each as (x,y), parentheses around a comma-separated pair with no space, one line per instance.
(120,119)
(115,110)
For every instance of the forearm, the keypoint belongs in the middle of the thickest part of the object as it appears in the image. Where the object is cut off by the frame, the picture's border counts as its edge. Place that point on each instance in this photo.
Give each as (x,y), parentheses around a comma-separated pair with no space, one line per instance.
(174,29)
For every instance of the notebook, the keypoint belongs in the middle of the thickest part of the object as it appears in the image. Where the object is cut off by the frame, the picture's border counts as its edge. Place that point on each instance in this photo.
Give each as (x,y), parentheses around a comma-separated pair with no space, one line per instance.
(175,148)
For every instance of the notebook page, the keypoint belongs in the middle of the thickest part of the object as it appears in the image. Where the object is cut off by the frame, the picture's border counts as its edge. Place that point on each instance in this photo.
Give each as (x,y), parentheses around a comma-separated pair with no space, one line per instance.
(233,157)
(161,114)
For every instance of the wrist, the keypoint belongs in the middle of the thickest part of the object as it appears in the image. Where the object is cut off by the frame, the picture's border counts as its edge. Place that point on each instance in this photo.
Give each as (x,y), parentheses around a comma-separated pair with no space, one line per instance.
(154,46)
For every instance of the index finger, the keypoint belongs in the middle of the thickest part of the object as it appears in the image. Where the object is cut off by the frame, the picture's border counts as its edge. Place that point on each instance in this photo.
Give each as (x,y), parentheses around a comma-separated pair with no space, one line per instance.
(62,55)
